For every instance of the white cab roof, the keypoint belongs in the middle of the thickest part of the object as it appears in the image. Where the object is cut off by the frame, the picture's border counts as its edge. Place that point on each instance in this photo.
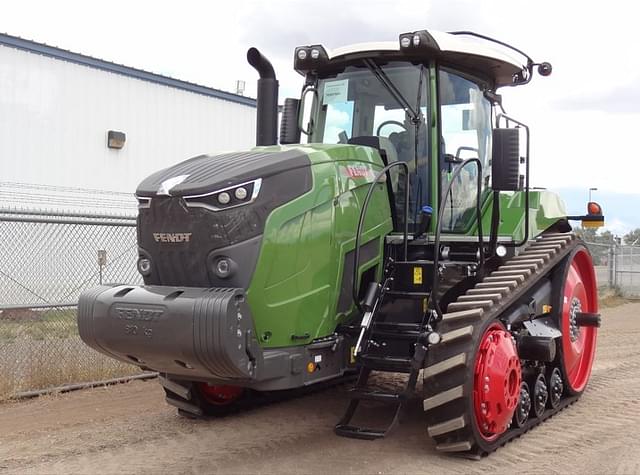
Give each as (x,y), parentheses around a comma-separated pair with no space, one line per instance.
(499,62)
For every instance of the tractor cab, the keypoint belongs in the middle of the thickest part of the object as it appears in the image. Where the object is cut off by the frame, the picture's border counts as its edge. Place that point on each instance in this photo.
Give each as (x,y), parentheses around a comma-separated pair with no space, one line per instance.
(426,100)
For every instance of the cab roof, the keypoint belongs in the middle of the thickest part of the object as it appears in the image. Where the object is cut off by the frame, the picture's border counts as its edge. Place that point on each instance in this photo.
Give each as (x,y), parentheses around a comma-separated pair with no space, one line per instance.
(500,62)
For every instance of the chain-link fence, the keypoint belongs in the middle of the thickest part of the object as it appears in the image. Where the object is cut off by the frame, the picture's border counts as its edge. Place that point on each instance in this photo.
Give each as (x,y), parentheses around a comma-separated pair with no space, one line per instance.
(47,258)
(626,270)
(617,267)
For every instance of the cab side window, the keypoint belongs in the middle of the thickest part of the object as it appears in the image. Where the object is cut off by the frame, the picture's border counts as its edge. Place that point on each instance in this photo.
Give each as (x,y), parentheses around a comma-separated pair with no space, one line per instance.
(465,116)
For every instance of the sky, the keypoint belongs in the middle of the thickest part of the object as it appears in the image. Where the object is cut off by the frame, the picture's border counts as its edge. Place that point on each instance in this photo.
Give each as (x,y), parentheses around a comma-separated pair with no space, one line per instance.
(582,117)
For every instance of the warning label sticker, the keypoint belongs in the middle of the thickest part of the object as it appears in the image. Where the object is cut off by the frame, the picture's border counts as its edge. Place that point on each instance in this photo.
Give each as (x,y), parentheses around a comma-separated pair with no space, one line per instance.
(335,91)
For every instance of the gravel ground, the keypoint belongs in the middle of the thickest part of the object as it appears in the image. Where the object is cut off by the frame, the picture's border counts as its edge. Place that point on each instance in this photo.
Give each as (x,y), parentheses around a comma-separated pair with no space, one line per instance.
(129,428)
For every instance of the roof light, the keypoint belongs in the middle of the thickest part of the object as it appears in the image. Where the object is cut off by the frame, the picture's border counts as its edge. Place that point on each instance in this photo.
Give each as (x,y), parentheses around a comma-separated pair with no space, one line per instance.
(309,58)
(418,42)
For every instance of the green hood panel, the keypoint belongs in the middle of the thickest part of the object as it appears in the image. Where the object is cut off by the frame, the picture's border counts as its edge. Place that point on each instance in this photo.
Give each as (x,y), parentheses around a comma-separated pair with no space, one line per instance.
(297,284)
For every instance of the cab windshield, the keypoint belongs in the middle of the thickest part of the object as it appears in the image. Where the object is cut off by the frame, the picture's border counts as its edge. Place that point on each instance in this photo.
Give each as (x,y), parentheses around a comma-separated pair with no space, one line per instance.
(389,101)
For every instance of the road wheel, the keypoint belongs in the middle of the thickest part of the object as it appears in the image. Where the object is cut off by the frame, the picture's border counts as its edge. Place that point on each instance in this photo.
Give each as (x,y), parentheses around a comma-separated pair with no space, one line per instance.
(579,294)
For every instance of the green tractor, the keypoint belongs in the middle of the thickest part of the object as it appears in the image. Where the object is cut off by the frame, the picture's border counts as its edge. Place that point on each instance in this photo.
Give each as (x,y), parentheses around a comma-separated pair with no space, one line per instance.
(402,237)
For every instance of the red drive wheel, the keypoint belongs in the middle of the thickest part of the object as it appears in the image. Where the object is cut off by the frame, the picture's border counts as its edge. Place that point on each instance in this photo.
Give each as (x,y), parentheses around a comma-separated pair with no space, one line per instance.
(496,385)
(579,294)
(220,395)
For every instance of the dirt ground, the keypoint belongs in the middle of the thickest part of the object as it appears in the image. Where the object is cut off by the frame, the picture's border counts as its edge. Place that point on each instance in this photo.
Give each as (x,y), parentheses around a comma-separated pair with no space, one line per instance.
(129,429)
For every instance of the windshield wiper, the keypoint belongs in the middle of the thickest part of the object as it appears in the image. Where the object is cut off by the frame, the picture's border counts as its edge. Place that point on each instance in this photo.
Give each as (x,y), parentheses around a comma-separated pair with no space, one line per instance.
(392,89)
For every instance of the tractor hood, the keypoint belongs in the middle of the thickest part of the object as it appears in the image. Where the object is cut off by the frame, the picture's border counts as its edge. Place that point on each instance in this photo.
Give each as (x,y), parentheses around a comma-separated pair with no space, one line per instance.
(208,173)
(208,208)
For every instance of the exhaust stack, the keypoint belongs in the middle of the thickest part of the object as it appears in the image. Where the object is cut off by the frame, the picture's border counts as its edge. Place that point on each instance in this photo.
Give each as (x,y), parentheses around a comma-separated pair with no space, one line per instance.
(267,113)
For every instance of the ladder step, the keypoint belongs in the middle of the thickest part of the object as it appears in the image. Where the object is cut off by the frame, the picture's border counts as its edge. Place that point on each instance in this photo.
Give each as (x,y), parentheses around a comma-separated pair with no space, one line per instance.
(372,395)
(354,432)
(397,326)
(407,294)
(386,363)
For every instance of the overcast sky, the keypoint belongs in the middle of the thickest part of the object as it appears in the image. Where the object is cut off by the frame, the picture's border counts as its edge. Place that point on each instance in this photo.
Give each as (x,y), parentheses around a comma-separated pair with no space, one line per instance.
(583,117)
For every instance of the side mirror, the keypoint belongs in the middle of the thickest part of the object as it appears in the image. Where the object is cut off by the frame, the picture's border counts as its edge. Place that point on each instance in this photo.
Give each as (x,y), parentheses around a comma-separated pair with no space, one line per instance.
(505,160)
(289,127)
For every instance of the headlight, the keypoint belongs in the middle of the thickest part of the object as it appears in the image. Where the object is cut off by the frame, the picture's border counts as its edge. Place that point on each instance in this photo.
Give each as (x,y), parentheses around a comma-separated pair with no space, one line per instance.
(144,266)
(241,193)
(238,195)
(223,267)
(224,198)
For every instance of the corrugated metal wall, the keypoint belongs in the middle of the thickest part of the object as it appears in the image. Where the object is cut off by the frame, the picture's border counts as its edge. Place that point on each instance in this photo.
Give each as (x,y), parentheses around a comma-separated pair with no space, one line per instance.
(54,118)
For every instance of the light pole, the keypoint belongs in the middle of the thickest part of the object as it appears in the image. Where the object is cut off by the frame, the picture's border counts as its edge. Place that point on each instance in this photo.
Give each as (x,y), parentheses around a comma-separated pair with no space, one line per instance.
(590,190)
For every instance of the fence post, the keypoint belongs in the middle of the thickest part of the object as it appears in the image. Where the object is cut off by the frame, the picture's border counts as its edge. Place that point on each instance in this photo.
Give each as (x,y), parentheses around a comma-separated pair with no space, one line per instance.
(611,265)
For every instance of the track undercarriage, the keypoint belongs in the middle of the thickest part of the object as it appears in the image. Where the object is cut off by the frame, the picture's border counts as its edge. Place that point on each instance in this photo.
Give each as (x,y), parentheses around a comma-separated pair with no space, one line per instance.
(498,368)
(499,372)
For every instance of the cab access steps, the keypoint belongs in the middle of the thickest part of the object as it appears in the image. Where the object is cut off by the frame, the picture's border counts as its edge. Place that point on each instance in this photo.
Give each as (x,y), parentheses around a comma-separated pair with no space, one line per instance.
(370,361)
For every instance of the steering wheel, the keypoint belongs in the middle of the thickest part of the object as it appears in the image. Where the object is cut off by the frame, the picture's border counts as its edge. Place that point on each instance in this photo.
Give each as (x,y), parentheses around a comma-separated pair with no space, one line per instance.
(389,122)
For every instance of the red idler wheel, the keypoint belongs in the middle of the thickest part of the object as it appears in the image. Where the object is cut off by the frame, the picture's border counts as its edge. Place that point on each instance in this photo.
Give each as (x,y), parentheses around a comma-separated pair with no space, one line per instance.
(579,294)
(497,378)
(220,395)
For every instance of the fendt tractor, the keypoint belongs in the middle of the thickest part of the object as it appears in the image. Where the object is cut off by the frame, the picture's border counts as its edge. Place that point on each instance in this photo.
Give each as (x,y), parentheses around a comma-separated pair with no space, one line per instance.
(403,236)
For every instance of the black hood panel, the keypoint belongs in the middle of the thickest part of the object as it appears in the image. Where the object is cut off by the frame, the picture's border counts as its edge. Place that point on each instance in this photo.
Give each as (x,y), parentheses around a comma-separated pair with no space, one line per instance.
(207,173)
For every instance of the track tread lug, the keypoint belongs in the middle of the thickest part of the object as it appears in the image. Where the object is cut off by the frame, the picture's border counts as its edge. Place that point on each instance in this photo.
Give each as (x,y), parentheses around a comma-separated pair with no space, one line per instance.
(471,313)
(447,426)
(455,306)
(443,398)
(484,296)
(456,334)
(445,365)
(462,446)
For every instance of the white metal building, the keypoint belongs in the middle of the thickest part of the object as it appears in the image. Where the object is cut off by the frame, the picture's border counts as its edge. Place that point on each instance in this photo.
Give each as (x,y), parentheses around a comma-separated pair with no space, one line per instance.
(57,108)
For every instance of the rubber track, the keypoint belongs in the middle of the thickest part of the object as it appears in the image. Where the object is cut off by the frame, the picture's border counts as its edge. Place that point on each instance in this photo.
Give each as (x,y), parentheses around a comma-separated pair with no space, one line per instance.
(189,405)
(448,377)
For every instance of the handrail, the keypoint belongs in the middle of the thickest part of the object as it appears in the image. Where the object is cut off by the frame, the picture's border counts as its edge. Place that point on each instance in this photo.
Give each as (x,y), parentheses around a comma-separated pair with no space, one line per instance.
(436,244)
(363,213)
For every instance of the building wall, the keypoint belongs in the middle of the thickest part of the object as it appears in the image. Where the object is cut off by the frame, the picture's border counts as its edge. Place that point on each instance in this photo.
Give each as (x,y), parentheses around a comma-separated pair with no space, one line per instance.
(54,118)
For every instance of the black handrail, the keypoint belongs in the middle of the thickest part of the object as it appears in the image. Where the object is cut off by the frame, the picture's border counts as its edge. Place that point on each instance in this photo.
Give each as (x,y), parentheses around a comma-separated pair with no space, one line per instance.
(436,244)
(363,213)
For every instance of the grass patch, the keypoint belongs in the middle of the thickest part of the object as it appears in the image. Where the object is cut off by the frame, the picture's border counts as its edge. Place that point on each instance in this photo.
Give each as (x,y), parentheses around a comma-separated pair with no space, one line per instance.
(41,349)
(39,325)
